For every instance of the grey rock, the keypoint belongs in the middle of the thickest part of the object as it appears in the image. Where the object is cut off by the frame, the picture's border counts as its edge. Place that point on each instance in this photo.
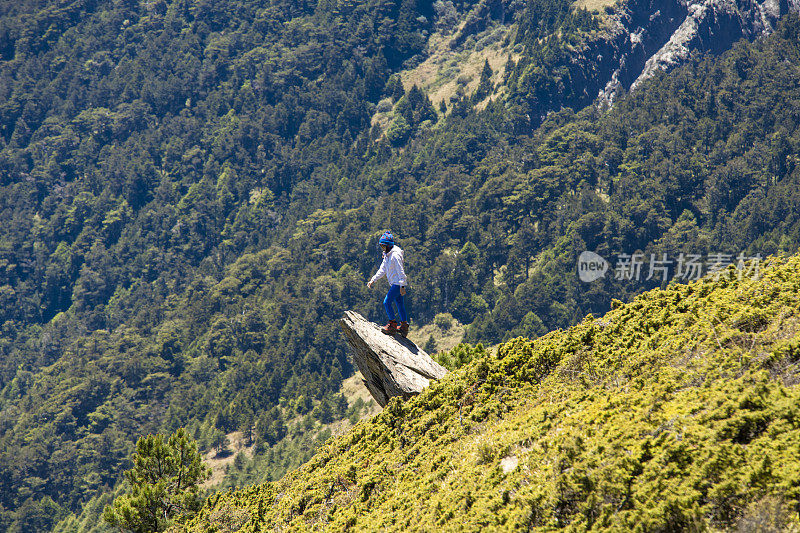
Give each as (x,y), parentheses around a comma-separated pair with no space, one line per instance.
(391,365)
(712,26)
(647,36)
(639,38)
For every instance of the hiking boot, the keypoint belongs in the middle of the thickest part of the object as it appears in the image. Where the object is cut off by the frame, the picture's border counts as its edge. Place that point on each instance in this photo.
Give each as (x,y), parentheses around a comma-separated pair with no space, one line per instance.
(403,329)
(390,328)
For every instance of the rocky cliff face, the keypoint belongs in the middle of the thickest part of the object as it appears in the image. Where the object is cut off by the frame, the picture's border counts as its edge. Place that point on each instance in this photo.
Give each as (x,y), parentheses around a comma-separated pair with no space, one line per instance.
(651,35)
(642,37)
(391,365)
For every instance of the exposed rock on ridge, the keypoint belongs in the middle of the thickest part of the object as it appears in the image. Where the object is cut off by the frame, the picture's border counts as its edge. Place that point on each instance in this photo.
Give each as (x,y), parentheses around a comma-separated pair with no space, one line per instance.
(649,36)
(642,37)
(391,366)
(713,25)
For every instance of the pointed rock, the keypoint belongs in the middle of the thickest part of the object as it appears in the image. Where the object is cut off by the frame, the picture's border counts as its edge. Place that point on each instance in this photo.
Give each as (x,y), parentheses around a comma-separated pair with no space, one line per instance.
(391,365)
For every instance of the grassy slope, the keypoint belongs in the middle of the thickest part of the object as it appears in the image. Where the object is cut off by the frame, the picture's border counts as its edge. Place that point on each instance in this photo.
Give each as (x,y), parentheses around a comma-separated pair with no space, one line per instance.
(678,411)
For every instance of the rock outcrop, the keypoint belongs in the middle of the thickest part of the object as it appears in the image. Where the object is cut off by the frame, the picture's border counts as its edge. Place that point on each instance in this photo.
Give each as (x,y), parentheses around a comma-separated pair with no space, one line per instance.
(646,36)
(391,365)
(713,26)
(639,38)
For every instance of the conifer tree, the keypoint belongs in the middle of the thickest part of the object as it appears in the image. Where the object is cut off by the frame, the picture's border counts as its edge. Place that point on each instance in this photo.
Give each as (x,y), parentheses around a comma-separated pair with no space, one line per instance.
(164,484)
(485,83)
(430,345)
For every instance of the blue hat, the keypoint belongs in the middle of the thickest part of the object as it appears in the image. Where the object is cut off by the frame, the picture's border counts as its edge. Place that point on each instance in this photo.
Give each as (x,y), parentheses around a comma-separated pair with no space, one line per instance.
(387,238)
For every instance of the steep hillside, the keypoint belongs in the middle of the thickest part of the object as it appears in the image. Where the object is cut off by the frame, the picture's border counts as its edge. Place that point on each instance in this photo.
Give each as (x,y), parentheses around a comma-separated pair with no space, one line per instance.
(677,411)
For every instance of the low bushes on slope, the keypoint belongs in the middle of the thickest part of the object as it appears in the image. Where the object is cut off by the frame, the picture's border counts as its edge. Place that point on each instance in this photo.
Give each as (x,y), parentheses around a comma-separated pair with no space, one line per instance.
(677,411)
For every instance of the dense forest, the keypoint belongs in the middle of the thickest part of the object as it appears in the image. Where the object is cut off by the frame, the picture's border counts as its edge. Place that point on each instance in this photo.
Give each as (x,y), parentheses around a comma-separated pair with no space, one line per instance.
(191,193)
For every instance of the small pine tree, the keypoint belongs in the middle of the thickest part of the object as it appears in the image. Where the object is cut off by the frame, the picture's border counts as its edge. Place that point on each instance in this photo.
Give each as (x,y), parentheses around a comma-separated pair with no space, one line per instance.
(324,411)
(246,426)
(240,461)
(430,345)
(340,405)
(219,441)
(164,483)
(485,84)
(394,88)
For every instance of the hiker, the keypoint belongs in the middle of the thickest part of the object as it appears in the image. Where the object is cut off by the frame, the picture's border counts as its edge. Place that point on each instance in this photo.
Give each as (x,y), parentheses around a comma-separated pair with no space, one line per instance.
(392,268)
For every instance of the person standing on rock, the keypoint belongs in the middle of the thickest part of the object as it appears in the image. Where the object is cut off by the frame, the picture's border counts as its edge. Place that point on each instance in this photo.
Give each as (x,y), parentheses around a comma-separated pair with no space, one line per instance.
(392,268)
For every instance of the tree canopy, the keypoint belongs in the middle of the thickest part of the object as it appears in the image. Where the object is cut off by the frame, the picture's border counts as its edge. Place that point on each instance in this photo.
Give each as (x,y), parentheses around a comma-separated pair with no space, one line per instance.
(164,484)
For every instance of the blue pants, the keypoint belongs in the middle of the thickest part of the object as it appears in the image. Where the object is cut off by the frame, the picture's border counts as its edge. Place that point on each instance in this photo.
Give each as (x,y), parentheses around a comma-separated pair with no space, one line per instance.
(394,296)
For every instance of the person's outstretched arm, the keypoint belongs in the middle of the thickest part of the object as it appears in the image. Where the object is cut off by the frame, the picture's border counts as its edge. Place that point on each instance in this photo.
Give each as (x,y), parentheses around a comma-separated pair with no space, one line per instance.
(379,274)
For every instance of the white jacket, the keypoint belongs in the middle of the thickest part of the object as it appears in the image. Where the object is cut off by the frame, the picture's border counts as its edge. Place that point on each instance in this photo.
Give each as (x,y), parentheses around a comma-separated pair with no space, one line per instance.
(392,268)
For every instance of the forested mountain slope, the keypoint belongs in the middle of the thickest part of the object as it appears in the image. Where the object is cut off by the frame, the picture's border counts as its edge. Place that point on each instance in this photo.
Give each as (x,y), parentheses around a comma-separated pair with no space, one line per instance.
(675,412)
(146,149)
(190,193)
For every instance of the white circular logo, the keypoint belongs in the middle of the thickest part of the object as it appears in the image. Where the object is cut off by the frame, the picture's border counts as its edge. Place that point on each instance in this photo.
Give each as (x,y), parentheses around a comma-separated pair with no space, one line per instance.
(591,266)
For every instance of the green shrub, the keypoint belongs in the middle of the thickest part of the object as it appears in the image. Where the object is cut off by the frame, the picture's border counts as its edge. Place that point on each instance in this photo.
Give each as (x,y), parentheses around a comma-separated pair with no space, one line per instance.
(443,321)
